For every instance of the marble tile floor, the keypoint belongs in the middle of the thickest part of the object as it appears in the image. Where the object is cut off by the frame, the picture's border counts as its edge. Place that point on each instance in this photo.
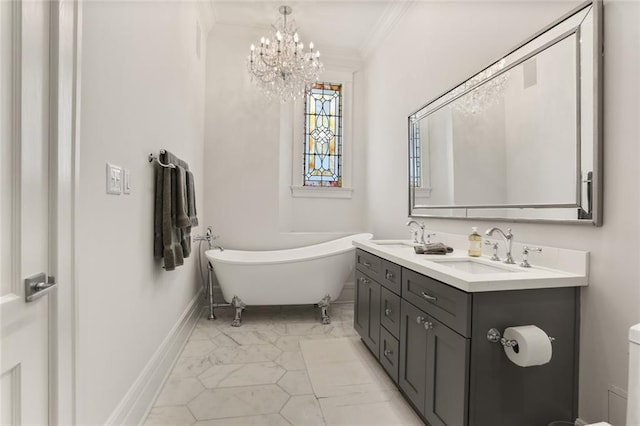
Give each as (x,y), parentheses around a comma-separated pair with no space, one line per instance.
(282,367)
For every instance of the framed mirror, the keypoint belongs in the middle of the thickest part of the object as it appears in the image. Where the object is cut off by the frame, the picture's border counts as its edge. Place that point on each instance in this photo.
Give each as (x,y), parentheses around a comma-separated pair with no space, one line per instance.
(521,139)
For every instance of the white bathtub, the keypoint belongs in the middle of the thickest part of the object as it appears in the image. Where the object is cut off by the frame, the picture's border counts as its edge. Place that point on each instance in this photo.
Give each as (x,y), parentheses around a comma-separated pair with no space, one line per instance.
(304,275)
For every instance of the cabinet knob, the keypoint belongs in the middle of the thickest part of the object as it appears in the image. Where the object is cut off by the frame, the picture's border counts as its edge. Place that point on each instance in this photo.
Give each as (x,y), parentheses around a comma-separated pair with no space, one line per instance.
(364,281)
(420,320)
(388,352)
(387,312)
(389,275)
(429,297)
(428,325)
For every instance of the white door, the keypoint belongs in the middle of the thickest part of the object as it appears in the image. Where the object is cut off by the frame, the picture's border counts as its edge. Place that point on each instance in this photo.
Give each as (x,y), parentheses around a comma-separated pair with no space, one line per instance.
(24,210)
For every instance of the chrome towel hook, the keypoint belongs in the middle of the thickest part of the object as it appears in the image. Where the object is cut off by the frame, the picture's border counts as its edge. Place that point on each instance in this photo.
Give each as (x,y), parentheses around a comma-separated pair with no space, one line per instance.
(153,157)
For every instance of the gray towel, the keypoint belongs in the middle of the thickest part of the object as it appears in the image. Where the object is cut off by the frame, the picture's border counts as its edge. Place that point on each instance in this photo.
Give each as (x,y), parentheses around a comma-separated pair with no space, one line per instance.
(191,199)
(182,215)
(183,223)
(171,241)
(433,248)
(172,253)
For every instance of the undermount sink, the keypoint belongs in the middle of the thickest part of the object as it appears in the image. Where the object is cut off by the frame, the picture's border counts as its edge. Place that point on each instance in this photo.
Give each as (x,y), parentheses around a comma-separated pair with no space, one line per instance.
(473,266)
(393,243)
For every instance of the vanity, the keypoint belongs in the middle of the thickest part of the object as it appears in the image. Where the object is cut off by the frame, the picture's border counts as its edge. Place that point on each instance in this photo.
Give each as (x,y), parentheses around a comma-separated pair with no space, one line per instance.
(425,318)
(519,141)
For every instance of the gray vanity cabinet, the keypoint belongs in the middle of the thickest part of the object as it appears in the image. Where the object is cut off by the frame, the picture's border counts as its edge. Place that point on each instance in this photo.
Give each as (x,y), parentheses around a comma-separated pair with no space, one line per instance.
(430,338)
(366,316)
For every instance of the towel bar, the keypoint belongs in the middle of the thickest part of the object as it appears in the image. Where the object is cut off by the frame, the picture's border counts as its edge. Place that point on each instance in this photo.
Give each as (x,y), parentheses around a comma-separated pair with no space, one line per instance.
(153,157)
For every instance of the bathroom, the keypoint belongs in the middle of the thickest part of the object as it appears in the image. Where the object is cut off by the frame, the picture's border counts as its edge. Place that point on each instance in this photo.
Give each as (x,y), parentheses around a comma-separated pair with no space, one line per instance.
(172,75)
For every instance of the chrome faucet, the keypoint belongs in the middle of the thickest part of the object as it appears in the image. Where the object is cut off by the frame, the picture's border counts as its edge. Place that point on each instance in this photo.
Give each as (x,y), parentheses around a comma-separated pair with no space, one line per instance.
(508,239)
(209,238)
(421,226)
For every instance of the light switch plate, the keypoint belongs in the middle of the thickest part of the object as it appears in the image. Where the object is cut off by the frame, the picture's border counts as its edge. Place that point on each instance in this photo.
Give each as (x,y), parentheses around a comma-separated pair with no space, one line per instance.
(114,179)
(126,187)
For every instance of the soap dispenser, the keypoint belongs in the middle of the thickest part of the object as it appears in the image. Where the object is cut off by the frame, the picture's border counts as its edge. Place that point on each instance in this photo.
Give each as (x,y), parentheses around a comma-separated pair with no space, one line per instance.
(475,243)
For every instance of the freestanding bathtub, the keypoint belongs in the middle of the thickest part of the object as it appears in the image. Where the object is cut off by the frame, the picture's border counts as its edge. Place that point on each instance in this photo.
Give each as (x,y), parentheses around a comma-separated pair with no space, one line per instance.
(306,275)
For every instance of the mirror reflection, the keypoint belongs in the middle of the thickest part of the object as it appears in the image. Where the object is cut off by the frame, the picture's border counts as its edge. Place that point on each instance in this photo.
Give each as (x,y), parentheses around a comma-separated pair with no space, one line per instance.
(516,140)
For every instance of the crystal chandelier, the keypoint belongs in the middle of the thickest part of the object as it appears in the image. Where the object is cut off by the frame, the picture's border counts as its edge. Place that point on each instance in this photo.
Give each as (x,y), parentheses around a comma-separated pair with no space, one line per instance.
(280,66)
(488,87)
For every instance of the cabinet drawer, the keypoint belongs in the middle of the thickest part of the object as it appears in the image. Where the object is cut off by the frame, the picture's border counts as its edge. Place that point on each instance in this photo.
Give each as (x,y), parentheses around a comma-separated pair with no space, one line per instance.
(390,311)
(389,349)
(449,305)
(369,264)
(391,276)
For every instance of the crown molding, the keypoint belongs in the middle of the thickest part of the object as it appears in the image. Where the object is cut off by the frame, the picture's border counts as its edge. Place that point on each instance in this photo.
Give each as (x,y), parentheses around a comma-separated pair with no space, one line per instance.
(387,22)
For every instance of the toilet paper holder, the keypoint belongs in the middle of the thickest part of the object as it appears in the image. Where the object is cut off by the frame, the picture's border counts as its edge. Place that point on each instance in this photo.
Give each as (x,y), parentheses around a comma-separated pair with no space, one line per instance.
(494,336)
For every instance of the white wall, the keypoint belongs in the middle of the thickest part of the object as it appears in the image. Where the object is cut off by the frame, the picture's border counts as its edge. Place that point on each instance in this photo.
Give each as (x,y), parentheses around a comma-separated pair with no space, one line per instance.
(438,44)
(142,89)
(248,158)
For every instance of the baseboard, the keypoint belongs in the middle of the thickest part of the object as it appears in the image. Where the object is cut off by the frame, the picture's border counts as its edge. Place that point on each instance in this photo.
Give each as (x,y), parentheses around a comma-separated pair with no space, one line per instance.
(135,405)
(580,422)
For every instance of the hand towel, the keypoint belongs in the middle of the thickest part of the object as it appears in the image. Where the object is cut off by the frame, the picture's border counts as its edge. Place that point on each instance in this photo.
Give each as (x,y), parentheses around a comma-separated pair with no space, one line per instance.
(182,221)
(158,245)
(433,248)
(182,215)
(172,253)
(191,199)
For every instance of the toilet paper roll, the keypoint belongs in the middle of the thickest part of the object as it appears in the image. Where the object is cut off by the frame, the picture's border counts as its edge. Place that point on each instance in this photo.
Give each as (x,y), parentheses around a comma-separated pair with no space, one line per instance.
(533,348)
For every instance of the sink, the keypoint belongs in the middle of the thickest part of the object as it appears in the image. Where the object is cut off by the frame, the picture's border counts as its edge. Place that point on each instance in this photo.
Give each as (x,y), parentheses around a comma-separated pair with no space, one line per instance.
(393,243)
(473,266)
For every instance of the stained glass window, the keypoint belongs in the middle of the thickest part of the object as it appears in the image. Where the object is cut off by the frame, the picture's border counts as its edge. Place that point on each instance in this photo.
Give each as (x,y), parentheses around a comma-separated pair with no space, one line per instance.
(415,155)
(323,136)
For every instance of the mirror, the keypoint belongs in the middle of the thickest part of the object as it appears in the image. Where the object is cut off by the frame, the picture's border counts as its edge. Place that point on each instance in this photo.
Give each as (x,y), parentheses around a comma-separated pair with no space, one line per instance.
(521,139)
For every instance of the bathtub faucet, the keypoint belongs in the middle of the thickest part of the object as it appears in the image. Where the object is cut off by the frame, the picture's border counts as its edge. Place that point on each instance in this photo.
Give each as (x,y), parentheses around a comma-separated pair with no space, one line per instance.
(208,237)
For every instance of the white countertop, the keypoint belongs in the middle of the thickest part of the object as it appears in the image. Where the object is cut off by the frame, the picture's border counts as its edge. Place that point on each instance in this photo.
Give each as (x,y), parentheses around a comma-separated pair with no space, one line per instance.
(573,266)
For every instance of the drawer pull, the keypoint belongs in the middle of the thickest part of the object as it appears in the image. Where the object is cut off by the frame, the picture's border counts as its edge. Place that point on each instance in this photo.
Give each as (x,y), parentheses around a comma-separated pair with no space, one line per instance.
(389,275)
(387,312)
(364,281)
(429,297)
(428,325)
(365,263)
(420,320)
(388,352)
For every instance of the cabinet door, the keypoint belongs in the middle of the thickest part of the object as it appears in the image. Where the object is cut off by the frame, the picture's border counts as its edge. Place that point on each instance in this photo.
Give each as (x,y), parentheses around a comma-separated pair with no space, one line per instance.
(446,376)
(413,354)
(366,320)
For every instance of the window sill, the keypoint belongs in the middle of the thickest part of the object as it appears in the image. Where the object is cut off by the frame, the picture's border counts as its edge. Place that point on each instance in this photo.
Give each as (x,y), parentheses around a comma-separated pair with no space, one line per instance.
(321,192)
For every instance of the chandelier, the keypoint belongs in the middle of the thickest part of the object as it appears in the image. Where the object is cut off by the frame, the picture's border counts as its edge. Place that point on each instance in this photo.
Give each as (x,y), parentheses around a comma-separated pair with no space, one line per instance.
(488,88)
(280,66)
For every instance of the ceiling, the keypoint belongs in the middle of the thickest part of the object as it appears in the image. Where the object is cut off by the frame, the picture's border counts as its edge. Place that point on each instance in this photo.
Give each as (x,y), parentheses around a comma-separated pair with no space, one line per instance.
(346,26)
